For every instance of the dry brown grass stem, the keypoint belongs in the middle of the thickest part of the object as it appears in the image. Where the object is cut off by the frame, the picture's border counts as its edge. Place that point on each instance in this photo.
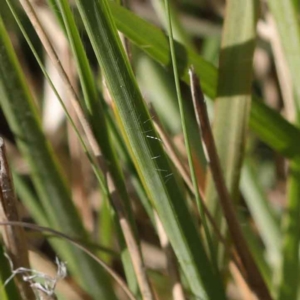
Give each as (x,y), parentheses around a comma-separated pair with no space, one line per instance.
(186,177)
(254,276)
(14,237)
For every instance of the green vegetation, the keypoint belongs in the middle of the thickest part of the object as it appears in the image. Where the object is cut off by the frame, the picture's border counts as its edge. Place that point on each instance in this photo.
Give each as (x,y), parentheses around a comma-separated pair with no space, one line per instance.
(114,160)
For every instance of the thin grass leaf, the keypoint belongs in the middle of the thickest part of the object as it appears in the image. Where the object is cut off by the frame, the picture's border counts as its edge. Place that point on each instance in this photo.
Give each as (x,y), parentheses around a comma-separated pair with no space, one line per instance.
(254,277)
(285,15)
(143,144)
(98,121)
(179,32)
(157,85)
(270,126)
(154,42)
(30,200)
(263,216)
(232,106)
(186,135)
(17,104)
(274,130)
(289,271)
(254,245)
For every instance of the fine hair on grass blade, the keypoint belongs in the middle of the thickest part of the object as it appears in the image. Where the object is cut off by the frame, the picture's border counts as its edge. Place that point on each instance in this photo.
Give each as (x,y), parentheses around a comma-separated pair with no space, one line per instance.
(184,173)
(253,275)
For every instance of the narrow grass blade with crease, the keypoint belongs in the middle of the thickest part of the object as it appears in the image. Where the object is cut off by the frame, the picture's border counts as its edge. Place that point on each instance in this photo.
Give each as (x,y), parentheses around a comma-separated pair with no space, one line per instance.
(233,102)
(254,277)
(270,127)
(22,116)
(286,18)
(144,145)
(99,126)
(261,212)
(232,106)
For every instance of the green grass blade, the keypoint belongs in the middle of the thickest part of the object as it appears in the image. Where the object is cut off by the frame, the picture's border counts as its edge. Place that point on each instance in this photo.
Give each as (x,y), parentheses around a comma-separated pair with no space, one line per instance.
(287,23)
(270,126)
(254,245)
(30,200)
(264,218)
(135,123)
(17,104)
(154,42)
(159,84)
(97,118)
(274,130)
(232,106)
(289,272)
(84,71)
(179,32)
(187,137)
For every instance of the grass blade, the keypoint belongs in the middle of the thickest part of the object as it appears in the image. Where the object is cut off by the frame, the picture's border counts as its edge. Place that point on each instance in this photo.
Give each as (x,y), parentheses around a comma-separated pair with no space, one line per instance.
(232,106)
(98,122)
(270,126)
(135,122)
(261,212)
(285,15)
(22,116)
(254,277)
(289,271)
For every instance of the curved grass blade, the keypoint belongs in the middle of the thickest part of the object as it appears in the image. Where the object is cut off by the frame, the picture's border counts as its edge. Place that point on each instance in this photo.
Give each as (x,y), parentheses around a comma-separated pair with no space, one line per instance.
(289,269)
(254,277)
(263,216)
(186,135)
(98,121)
(286,18)
(270,126)
(233,102)
(143,144)
(22,116)
(232,109)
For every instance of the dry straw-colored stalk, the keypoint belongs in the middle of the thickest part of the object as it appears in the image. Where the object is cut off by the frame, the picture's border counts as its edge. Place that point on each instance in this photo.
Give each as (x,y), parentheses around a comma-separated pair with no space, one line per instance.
(14,237)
